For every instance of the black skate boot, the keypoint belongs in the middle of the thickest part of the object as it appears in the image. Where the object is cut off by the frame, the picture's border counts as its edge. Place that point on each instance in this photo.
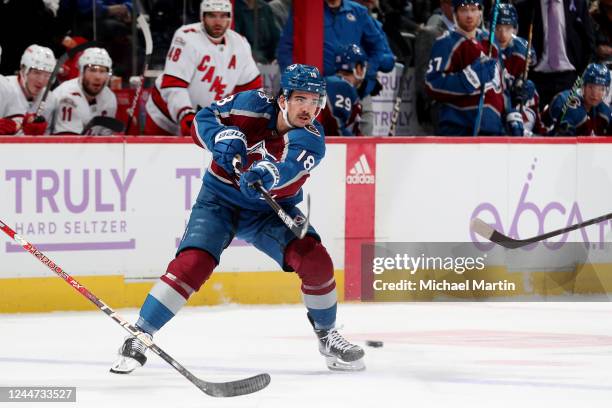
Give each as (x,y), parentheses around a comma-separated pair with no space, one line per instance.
(131,355)
(339,354)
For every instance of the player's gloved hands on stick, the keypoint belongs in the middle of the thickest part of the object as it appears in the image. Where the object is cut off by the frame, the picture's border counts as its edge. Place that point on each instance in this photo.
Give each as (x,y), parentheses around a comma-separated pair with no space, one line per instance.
(185,121)
(34,125)
(484,68)
(522,92)
(263,172)
(8,127)
(514,121)
(229,143)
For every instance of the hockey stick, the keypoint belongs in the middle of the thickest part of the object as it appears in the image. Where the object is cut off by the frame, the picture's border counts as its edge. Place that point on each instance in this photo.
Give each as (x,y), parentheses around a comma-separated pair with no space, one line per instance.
(115,125)
(146,32)
(58,65)
(297,225)
(486,231)
(527,58)
(224,389)
(398,102)
(483,86)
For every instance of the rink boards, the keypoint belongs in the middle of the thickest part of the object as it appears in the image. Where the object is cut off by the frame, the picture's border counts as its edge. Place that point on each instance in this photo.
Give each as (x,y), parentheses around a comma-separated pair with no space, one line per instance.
(110,211)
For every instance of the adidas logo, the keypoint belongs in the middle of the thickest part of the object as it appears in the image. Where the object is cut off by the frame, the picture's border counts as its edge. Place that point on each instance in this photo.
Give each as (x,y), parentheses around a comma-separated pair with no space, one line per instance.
(361,173)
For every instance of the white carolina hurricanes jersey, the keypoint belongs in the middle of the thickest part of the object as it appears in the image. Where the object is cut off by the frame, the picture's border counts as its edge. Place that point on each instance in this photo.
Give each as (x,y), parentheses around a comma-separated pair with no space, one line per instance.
(199,72)
(20,105)
(74,111)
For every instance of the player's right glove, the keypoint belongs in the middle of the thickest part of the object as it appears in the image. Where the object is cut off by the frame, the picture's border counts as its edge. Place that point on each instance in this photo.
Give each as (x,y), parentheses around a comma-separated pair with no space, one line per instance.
(185,122)
(263,172)
(34,125)
(481,71)
(229,143)
(8,127)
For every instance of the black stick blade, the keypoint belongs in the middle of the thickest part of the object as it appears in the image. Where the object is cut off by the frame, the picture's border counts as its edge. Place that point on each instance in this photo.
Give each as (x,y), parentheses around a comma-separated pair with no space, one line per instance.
(235,388)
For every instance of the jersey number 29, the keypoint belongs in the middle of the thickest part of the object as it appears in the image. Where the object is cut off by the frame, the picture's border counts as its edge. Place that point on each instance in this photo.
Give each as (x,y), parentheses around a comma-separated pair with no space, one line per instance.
(343,103)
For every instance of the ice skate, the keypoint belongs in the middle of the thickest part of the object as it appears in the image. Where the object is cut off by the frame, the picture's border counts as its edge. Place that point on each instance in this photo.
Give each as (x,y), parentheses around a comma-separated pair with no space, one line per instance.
(340,355)
(131,355)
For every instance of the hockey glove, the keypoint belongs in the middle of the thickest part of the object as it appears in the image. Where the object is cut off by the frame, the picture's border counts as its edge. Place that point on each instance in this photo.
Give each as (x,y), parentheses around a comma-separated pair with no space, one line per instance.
(481,71)
(8,127)
(522,92)
(230,143)
(564,129)
(263,172)
(185,121)
(34,125)
(377,88)
(514,122)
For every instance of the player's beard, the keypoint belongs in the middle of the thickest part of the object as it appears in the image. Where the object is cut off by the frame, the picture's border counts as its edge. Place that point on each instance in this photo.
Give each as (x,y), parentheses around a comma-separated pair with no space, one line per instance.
(216,31)
(468,25)
(89,88)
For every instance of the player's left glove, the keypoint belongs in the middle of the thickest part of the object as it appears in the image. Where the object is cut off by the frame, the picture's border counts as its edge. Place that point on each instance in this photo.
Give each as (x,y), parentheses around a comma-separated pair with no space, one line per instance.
(34,125)
(263,172)
(514,122)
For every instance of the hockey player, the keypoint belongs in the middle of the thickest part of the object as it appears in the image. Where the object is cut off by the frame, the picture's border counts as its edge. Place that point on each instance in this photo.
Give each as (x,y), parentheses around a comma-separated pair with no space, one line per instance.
(582,115)
(341,114)
(28,86)
(279,143)
(81,99)
(459,68)
(513,50)
(207,61)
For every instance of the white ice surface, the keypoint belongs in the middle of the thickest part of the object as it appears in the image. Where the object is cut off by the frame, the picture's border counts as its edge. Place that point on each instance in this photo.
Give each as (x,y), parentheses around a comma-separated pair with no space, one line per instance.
(434,355)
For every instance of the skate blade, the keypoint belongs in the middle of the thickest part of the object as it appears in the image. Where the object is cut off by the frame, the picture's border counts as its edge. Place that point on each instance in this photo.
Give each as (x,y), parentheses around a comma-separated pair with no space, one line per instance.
(335,364)
(125,366)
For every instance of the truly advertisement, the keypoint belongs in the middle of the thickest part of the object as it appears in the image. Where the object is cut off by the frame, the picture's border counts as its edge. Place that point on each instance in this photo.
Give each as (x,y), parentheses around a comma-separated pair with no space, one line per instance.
(121,209)
(71,209)
(102,208)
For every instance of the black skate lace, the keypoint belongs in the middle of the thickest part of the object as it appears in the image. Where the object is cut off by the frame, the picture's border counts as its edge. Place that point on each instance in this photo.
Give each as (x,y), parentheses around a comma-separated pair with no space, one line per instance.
(335,339)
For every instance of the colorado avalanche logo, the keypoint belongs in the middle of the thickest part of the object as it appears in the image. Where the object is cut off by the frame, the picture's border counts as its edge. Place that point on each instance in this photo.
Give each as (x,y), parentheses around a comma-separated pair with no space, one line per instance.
(310,127)
(573,102)
(350,17)
(260,150)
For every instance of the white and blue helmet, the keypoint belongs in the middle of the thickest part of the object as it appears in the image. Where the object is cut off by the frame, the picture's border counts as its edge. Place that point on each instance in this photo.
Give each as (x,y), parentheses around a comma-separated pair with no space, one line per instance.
(349,56)
(597,74)
(300,77)
(507,15)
